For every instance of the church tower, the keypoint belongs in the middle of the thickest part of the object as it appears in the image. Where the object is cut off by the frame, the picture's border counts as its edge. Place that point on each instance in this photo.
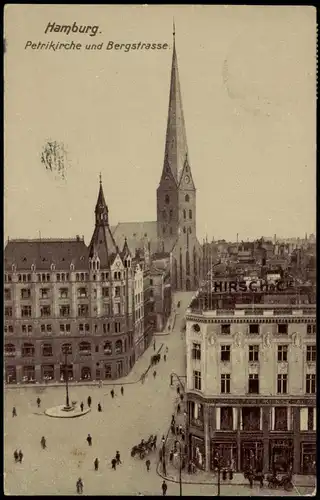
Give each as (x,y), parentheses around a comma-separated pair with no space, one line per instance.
(176,194)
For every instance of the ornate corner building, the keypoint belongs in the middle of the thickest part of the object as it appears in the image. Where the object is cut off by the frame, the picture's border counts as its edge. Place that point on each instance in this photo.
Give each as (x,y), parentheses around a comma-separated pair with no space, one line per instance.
(251,383)
(62,294)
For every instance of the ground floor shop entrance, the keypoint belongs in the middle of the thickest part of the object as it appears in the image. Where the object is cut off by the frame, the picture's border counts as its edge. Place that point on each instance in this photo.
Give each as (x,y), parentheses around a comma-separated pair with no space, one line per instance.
(252,455)
(281,455)
(198,455)
(227,453)
(308,458)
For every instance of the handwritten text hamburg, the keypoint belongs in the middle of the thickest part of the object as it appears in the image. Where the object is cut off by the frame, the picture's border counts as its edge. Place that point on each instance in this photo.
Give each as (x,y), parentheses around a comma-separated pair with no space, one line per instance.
(92,31)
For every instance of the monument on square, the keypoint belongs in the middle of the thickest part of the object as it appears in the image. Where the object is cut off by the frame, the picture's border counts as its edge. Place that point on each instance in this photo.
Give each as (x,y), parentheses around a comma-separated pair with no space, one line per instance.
(67,410)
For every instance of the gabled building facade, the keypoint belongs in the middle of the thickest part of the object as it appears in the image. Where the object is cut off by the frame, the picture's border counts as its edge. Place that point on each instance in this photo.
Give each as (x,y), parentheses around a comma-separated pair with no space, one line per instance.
(62,294)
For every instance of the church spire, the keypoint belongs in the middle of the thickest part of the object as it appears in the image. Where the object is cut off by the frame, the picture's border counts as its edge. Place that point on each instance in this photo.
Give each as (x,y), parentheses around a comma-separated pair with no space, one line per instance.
(101,210)
(176,147)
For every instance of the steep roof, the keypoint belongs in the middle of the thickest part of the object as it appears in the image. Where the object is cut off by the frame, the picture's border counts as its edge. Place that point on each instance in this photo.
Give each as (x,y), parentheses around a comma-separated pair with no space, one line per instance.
(138,234)
(44,252)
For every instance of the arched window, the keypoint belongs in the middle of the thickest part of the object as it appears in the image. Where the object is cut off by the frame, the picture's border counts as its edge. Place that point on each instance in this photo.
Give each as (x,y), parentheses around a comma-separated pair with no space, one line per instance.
(10,350)
(118,347)
(167,199)
(190,214)
(184,214)
(85,348)
(187,263)
(27,350)
(85,373)
(66,348)
(46,350)
(107,348)
(187,198)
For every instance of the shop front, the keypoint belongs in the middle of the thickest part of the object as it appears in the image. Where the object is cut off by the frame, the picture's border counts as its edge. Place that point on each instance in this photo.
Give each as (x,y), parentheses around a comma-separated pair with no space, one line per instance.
(309,458)
(227,452)
(198,454)
(11,374)
(281,455)
(252,455)
(47,372)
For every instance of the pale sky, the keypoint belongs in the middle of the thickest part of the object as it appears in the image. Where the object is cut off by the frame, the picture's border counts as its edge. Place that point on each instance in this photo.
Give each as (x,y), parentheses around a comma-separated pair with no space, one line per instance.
(248,82)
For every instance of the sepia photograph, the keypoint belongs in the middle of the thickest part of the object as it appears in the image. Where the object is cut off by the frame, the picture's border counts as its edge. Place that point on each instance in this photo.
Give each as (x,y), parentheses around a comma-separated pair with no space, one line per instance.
(160,250)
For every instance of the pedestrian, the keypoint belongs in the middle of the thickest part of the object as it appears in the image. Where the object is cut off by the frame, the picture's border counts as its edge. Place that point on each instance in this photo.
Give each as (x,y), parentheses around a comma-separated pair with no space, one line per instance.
(118,457)
(163,440)
(112,393)
(173,419)
(89,402)
(154,345)
(178,390)
(171,455)
(148,463)
(96,464)
(100,384)
(181,397)
(81,406)
(160,454)
(154,374)
(114,463)
(142,378)
(43,443)
(183,436)
(167,350)
(178,408)
(164,488)
(79,486)
(15,456)
(14,412)
(165,357)
(99,407)
(177,430)
(173,429)
(122,391)
(171,379)
(180,429)
(38,402)
(89,440)
(185,414)
(20,455)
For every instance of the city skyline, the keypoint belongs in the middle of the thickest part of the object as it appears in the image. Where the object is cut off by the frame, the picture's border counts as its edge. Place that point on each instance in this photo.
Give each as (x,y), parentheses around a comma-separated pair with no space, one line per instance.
(252,103)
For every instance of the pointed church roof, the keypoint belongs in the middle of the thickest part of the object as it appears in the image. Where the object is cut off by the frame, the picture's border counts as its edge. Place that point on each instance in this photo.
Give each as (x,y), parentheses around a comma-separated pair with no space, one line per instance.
(176,149)
(101,202)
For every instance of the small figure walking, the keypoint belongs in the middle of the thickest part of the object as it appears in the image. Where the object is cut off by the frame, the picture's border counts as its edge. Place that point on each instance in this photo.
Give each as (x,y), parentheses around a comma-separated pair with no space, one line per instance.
(118,457)
(99,407)
(148,463)
(100,384)
(38,402)
(178,408)
(167,350)
(178,390)
(79,486)
(171,455)
(81,406)
(43,443)
(112,393)
(96,464)
(15,456)
(89,402)
(164,488)
(154,345)
(89,440)
(122,391)
(114,463)
(180,429)
(163,440)
(20,454)
(154,374)
(173,419)
(181,397)
(14,412)
(165,357)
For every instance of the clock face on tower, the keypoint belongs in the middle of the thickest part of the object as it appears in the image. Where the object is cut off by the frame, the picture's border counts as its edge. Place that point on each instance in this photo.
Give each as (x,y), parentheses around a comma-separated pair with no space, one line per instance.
(187,179)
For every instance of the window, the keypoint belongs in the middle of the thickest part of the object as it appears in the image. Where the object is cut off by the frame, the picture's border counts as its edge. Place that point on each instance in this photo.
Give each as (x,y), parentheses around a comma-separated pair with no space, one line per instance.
(47,350)
(170,214)
(82,293)
(253,383)
(65,327)
(187,198)
(250,417)
(310,383)
(46,328)
(254,329)
(226,418)
(64,310)
(7,294)
(44,293)
(283,329)
(151,282)
(85,348)
(26,328)
(311,419)
(282,353)
(117,309)
(8,312)
(106,327)
(196,351)
(10,350)
(107,348)
(118,347)
(105,291)
(190,214)
(196,328)
(197,380)
(63,293)
(45,311)
(84,327)
(311,353)
(117,327)
(282,383)
(107,372)
(225,353)
(253,353)
(151,293)
(167,199)
(27,350)
(226,329)
(117,291)
(184,214)
(225,383)
(66,348)
(25,311)
(25,293)
(83,310)
(311,329)
(117,275)
(8,329)
(281,418)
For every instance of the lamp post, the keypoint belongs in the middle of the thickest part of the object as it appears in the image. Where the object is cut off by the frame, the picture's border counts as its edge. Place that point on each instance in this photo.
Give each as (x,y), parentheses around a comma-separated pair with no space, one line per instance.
(66,376)
(180,467)
(217,464)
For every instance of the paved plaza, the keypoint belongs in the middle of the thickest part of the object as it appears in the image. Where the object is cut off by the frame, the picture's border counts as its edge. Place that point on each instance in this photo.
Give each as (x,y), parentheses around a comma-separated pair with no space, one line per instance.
(144,409)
